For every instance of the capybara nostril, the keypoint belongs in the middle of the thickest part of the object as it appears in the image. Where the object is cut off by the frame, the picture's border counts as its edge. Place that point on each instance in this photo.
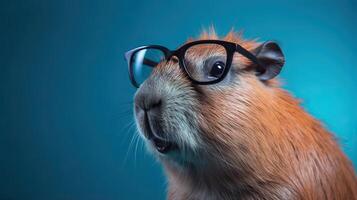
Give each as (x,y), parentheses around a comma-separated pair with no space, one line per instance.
(148,100)
(148,110)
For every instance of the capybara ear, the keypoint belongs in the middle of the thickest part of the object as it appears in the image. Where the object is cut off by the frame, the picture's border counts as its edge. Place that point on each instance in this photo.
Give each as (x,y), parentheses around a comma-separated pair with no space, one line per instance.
(271,57)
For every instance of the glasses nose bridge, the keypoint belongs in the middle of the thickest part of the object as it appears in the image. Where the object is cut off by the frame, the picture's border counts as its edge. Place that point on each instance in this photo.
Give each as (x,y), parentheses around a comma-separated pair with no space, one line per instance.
(172,54)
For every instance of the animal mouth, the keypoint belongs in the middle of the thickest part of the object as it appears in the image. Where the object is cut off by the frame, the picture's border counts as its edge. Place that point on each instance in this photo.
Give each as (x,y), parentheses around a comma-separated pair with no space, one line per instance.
(162,145)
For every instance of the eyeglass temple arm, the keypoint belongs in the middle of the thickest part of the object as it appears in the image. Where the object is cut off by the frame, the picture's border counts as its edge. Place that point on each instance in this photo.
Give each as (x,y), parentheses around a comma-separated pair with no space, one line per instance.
(146,61)
(149,62)
(251,56)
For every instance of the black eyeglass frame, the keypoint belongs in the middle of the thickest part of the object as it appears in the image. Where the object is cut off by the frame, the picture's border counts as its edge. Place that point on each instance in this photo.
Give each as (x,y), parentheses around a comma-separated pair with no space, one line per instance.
(230,48)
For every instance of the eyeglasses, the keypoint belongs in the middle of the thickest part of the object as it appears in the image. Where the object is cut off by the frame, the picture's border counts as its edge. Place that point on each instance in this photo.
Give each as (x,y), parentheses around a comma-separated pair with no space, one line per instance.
(204,61)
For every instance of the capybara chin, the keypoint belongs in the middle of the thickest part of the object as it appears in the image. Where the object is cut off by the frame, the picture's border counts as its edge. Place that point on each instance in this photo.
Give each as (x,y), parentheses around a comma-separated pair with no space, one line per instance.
(243,137)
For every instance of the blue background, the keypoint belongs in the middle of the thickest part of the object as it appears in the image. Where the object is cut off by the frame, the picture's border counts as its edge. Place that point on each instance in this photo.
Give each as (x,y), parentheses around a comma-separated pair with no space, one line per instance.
(66,126)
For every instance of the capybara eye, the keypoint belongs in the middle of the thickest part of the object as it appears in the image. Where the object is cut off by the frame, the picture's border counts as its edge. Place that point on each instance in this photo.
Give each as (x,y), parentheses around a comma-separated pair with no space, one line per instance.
(217,69)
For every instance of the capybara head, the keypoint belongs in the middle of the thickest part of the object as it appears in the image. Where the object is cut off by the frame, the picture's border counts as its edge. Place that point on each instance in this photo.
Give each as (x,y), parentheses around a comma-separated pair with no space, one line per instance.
(192,102)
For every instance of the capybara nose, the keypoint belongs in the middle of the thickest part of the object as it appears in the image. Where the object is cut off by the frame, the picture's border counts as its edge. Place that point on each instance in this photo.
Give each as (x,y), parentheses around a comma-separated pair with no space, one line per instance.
(148,110)
(148,100)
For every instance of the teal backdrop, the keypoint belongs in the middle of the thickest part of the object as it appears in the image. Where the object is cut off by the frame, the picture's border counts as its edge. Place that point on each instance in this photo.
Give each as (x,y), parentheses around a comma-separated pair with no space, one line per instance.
(66,123)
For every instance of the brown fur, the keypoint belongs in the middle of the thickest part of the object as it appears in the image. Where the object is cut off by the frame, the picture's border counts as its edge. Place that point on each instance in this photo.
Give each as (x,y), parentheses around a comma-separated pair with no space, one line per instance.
(267,146)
